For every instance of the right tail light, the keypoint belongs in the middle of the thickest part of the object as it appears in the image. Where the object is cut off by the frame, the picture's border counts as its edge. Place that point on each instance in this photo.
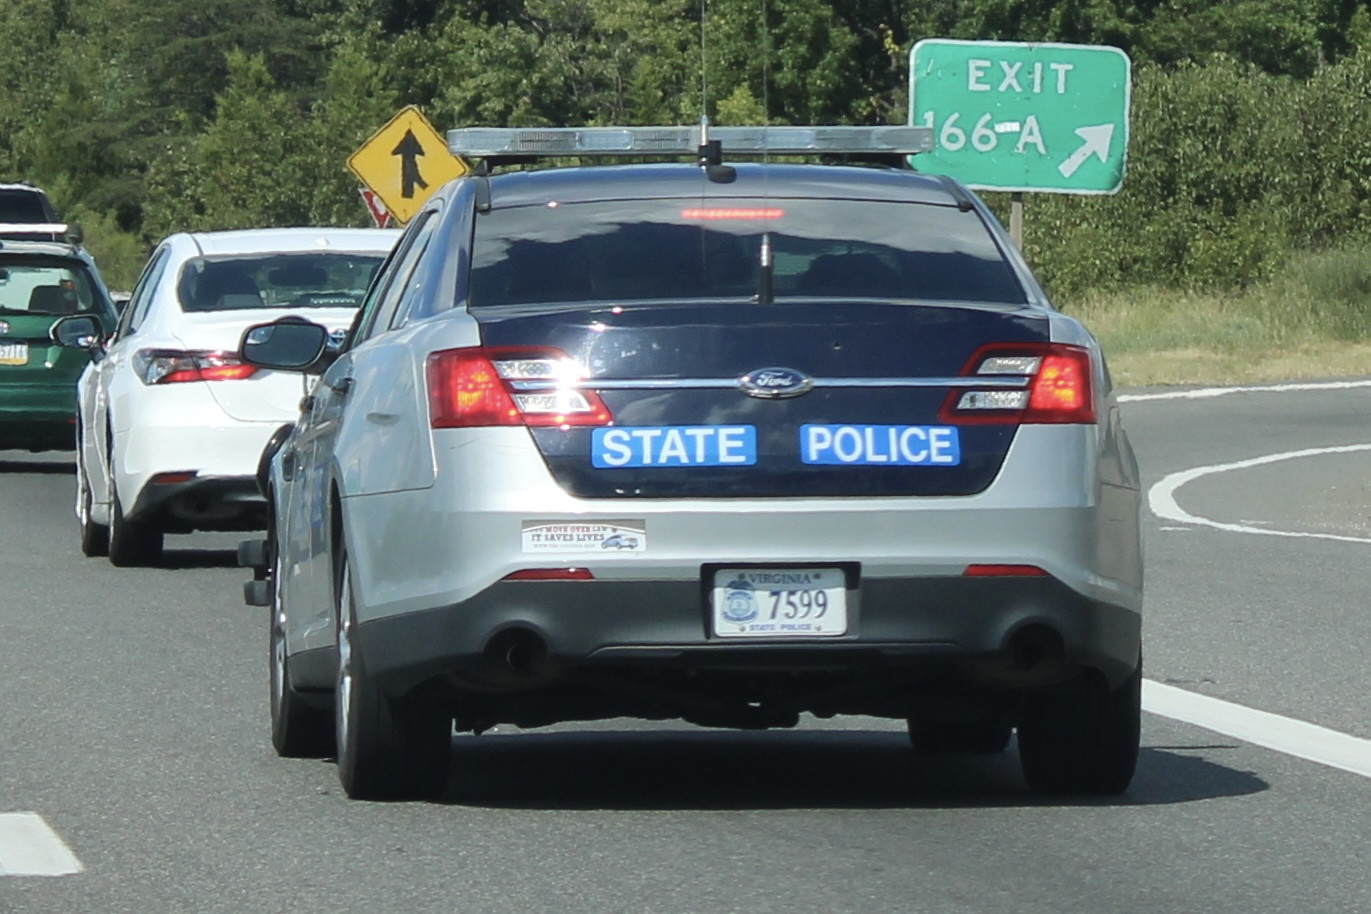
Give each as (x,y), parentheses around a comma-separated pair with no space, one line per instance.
(1058,386)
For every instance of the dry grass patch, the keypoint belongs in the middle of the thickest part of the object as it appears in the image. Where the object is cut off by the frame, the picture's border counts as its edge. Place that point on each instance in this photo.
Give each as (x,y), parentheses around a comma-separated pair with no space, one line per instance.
(1312,322)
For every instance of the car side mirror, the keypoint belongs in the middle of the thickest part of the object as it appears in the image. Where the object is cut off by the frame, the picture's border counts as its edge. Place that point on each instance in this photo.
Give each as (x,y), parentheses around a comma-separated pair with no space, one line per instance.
(78,331)
(289,344)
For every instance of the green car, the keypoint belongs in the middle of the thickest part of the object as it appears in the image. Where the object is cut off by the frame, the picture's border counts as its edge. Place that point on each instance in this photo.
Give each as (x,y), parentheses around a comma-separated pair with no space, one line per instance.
(41,282)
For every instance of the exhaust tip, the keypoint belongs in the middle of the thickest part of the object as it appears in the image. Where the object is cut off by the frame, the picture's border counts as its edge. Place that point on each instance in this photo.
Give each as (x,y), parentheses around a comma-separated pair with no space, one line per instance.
(1035,647)
(519,653)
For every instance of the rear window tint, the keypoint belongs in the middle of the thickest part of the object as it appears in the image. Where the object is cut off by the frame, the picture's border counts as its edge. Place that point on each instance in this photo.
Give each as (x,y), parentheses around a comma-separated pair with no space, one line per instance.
(307,280)
(22,206)
(47,287)
(643,250)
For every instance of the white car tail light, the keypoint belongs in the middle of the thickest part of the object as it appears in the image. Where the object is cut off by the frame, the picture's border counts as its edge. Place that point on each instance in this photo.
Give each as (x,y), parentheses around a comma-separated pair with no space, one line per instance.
(171,366)
(509,386)
(1058,386)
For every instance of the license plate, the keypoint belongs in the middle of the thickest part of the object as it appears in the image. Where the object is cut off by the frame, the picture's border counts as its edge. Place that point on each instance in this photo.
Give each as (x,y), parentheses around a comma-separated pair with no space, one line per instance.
(14,353)
(779,602)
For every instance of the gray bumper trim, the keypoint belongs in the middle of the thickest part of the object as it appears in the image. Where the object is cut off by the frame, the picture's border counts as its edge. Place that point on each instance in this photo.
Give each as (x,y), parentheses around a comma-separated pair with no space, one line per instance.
(903,623)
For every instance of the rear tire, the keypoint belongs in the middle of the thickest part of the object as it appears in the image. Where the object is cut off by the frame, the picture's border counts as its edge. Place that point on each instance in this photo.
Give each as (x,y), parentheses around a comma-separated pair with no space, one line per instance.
(940,737)
(1083,742)
(298,729)
(94,537)
(132,544)
(388,749)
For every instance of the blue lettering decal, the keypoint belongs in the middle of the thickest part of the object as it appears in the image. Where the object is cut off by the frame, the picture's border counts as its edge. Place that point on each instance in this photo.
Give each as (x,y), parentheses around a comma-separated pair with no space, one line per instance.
(674,446)
(876,445)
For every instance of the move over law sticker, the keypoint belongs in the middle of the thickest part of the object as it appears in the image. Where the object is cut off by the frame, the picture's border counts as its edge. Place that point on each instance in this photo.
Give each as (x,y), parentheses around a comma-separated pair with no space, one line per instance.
(606,536)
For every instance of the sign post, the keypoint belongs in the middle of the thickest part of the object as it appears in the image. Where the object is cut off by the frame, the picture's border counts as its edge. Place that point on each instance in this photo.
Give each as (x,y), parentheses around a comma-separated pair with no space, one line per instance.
(1015,116)
(404,162)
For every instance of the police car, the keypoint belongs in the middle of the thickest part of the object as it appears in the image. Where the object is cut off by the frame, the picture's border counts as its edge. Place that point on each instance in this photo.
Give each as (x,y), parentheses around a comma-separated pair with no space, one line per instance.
(725,440)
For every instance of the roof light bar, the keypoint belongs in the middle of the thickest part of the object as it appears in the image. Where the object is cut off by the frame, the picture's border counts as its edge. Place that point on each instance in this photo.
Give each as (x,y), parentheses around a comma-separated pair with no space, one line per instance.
(485,142)
(39,231)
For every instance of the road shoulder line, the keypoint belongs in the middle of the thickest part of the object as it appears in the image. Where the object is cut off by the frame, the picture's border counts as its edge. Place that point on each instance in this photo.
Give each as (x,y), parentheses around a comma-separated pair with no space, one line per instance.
(1206,393)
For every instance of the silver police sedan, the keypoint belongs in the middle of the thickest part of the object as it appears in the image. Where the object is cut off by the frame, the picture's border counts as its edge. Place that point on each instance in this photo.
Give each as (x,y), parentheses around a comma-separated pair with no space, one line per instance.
(720,440)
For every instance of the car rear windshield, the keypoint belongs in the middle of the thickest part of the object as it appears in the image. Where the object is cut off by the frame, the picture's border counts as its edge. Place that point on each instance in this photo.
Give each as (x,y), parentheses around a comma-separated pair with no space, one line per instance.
(306,280)
(22,206)
(47,286)
(644,250)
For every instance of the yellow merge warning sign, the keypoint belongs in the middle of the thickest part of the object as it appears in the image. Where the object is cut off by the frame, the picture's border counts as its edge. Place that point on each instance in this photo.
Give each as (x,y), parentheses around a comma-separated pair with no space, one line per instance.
(404,162)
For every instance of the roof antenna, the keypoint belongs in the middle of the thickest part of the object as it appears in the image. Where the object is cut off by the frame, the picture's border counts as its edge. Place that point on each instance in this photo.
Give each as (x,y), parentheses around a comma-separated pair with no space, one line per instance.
(766,76)
(711,152)
(704,72)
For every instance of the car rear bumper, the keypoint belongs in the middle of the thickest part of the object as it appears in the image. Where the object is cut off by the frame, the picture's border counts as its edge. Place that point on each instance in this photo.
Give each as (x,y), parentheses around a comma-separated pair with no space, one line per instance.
(211,460)
(434,605)
(37,416)
(1004,632)
(24,432)
(202,503)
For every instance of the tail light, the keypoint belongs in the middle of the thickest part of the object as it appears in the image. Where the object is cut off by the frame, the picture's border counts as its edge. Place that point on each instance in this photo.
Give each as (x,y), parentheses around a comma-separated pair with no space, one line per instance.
(1056,388)
(1004,571)
(171,366)
(550,574)
(481,386)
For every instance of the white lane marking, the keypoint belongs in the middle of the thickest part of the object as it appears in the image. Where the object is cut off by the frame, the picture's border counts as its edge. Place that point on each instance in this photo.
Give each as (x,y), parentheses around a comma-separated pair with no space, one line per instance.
(1292,737)
(1205,393)
(1161,498)
(1282,734)
(29,847)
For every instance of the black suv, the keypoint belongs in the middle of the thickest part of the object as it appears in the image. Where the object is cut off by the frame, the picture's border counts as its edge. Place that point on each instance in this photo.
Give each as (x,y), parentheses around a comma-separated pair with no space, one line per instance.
(26,213)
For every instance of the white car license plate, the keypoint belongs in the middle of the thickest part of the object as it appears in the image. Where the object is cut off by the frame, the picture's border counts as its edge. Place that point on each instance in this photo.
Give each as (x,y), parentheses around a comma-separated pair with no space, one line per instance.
(14,353)
(779,602)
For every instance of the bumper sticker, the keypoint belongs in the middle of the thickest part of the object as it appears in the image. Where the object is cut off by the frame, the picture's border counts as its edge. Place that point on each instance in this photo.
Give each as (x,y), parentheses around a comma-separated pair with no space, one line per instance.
(607,536)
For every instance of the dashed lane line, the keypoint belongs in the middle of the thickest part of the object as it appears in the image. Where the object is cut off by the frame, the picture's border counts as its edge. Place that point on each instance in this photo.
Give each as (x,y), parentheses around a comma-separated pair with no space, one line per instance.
(1292,737)
(29,847)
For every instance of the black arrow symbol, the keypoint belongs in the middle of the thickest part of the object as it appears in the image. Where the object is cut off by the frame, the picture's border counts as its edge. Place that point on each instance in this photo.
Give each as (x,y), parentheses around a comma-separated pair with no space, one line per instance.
(409,150)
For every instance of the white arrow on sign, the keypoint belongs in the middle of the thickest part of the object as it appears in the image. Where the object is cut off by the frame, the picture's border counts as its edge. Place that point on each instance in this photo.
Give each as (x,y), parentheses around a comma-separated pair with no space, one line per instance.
(1097,140)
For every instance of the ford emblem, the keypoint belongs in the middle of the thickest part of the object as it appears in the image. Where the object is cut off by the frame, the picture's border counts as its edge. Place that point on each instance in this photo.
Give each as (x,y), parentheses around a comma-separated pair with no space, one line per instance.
(775,383)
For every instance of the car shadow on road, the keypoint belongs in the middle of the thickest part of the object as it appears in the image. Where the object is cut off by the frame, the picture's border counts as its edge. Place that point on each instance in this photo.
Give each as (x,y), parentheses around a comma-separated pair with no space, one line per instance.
(838,769)
(183,559)
(10,465)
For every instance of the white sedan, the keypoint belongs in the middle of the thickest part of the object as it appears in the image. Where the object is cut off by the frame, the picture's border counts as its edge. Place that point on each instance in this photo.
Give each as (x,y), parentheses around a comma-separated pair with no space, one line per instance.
(171,422)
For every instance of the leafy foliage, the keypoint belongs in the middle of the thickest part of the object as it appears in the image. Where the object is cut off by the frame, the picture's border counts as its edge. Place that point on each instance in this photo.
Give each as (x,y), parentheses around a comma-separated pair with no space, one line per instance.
(144,117)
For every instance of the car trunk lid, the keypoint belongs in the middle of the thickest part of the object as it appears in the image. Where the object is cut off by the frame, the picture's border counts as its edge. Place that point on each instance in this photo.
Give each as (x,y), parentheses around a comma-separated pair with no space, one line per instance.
(815,398)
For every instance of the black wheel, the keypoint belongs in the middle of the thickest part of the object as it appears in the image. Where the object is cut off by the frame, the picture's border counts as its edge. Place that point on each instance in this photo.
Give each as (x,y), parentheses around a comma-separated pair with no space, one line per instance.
(950,736)
(388,749)
(94,537)
(130,543)
(299,729)
(1082,742)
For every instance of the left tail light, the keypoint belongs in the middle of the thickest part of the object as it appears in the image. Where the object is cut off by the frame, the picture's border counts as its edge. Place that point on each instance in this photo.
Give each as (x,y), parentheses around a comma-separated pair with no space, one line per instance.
(1057,386)
(172,366)
(533,386)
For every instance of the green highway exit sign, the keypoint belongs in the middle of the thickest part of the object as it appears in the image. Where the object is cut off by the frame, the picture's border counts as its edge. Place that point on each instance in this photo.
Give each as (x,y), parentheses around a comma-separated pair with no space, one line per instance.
(1022,117)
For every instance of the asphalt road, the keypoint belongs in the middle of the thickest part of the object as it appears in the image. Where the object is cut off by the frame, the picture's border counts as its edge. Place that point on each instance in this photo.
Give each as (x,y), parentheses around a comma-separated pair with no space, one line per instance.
(134,722)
